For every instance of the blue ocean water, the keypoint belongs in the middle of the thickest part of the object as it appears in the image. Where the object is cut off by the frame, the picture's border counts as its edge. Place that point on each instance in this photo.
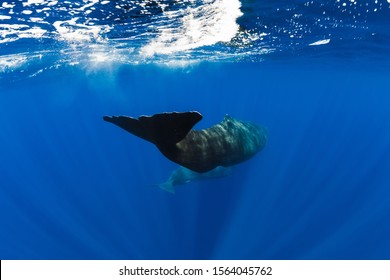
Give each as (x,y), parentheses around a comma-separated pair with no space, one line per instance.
(314,73)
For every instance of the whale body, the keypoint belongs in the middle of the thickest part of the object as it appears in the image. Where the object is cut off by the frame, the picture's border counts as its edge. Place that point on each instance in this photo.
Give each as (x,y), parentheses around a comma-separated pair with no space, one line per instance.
(225,144)
(182,175)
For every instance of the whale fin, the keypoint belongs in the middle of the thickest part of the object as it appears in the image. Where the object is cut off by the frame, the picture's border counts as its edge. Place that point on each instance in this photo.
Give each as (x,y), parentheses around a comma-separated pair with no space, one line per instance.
(167,186)
(160,129)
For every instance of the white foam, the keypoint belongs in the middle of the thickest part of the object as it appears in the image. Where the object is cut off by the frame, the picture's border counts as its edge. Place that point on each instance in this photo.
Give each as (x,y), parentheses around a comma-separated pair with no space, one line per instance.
(69,30)
(10,62)
(7,5)
(31,2)
(12,26)
(4,17)
(11,29)
(203,25)
(13,32)
(8,40)
(90,4)
(34,32)
(36,19)
(320,42)
(174,33)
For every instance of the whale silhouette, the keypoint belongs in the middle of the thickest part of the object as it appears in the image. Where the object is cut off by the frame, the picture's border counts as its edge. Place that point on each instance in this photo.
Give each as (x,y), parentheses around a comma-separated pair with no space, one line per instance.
(225,144)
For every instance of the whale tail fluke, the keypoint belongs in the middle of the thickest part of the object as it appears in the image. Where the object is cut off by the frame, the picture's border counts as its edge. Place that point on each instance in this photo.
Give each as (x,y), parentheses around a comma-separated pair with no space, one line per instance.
(160,129)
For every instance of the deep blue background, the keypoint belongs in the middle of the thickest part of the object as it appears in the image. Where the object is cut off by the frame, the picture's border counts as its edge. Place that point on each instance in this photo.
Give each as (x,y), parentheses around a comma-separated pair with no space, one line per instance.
(75,187)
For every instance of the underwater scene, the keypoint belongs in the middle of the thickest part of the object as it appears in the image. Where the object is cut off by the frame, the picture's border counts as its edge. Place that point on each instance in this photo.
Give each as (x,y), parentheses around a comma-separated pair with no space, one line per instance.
(195,129)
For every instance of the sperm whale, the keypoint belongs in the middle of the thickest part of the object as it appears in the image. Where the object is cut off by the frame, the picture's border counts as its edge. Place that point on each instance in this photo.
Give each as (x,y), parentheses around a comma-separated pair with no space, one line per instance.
(225,144)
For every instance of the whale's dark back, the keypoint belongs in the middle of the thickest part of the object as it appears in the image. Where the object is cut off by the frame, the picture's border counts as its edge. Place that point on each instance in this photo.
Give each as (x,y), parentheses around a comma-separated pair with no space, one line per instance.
(227,143)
